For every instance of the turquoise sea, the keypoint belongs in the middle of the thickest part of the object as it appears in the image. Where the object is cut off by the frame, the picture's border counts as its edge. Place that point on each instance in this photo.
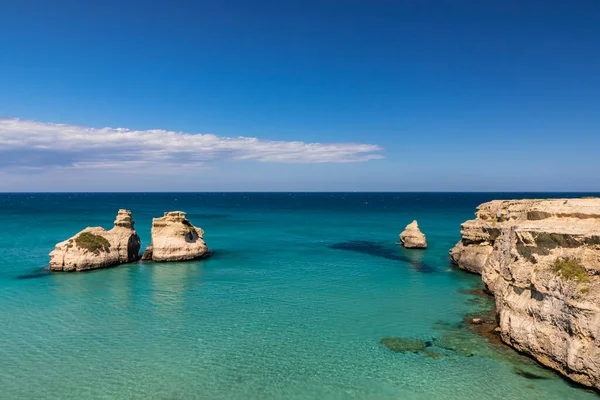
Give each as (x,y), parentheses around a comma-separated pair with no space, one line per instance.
(293,303)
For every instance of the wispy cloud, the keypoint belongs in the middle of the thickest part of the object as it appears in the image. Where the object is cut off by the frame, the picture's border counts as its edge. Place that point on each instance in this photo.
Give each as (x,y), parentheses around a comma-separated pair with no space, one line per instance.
(31,144)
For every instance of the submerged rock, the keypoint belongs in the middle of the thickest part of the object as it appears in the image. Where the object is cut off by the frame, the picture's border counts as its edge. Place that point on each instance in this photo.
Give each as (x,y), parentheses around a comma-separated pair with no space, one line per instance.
(458,342)
(174,238)
(98,248)
(403,345)
(541,260)
(433,353)
(434,349)
(534,375)
(412,237)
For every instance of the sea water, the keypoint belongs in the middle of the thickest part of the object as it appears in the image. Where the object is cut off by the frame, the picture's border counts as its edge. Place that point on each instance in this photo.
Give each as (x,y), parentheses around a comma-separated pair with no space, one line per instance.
(292,304)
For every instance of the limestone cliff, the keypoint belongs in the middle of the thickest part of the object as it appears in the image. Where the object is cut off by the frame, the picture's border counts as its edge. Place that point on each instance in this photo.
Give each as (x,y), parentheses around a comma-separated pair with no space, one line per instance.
(98,248)
(541,260)
(412,237)
(174,238)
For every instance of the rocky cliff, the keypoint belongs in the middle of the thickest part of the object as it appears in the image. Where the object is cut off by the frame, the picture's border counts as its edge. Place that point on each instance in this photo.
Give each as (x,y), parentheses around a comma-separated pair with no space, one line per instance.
(98,248)
(541,260)
(174,238)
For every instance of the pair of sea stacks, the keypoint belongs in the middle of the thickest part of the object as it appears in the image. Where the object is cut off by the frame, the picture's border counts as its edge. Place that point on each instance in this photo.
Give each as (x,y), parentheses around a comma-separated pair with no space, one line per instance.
(174,238)
(412,237)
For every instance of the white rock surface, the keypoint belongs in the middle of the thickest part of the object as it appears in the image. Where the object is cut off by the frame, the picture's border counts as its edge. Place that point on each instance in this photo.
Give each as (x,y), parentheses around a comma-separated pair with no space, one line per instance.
(174,238)
(515,246)
(119,245)
(412,237)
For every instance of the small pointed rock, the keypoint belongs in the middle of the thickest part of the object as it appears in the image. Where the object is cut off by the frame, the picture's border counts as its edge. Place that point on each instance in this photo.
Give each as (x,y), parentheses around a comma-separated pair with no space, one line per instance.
(412,237)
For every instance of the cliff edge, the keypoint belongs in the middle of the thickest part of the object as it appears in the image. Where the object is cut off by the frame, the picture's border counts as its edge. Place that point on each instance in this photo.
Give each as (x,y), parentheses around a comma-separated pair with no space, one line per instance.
(541,260)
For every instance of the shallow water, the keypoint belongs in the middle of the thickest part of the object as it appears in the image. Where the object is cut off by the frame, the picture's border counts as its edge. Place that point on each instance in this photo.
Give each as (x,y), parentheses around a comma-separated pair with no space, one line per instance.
(292,305)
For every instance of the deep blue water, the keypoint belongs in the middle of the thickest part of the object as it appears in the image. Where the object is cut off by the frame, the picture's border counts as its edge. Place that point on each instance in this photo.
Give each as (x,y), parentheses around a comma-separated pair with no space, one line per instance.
(292,304)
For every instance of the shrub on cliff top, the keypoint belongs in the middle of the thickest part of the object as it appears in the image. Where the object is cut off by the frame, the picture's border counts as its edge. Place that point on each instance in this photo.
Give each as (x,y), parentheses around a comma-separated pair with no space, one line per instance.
(92,243)
(570,269)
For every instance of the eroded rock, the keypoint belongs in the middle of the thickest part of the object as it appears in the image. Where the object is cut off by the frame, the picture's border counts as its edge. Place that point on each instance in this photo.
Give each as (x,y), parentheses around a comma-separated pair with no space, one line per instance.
(412,237)
(471,258)
(541,260)
(174,238)
(96,247)
(147,256)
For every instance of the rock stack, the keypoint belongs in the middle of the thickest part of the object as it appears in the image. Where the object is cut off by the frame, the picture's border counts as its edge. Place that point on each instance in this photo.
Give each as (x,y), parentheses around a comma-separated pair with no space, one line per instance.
(174,238)
(412,237)
(98,248)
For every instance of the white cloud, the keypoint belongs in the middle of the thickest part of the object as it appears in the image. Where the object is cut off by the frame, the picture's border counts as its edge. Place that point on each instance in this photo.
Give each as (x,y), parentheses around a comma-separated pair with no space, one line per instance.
(31,144)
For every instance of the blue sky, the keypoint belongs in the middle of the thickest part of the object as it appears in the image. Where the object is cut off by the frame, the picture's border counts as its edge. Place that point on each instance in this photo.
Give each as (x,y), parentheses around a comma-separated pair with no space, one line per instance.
(398,95)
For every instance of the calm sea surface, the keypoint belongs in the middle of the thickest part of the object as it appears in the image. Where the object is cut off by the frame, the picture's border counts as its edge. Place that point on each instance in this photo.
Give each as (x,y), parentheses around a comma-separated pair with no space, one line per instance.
(292,305)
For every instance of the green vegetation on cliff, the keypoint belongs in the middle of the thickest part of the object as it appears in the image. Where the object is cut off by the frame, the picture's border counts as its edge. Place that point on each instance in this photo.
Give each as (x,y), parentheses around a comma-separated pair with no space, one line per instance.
(570,269)
(92,243)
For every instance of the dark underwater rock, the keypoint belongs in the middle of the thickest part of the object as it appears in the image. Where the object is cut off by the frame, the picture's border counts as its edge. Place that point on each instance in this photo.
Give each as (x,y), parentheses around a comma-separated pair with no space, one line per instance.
(457,342)
(403,345)
(433,353)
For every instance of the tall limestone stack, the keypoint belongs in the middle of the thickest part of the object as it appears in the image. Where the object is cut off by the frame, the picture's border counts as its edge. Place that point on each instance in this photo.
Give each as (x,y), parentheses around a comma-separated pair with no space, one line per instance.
(412,237)
(174,238)
(541,260)
(98,248)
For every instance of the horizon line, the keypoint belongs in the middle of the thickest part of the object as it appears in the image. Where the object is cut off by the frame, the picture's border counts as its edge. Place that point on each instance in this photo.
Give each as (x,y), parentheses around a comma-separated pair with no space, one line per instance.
(299,192)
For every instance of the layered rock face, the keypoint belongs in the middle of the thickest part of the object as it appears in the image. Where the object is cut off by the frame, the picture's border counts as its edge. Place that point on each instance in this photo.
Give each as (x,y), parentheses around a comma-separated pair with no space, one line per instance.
(98,248)
(412,237)
(174,238)
(541,260)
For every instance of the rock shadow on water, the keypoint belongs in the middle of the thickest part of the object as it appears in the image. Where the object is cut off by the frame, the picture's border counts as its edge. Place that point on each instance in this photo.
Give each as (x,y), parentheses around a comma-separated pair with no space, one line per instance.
(38,273)
(378,250)
(530,375)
